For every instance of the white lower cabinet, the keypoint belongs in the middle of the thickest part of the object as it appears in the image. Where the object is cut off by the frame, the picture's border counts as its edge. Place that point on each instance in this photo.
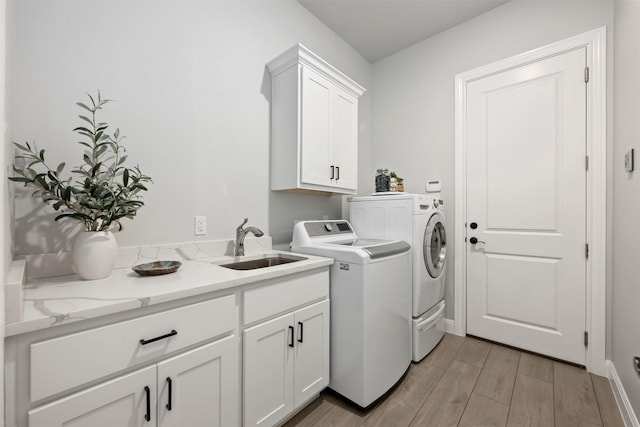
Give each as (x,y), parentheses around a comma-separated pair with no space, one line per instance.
(268,372)
(196,388)
(286,362)
(200,387)
(181,366)
(311,369)
(119,402)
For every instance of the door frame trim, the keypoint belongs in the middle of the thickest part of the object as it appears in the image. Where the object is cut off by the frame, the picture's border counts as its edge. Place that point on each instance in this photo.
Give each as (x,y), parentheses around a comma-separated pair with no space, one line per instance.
(595,322)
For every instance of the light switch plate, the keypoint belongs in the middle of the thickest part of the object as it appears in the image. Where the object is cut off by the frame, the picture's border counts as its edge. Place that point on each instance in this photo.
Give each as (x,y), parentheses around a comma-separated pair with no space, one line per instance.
(628,160)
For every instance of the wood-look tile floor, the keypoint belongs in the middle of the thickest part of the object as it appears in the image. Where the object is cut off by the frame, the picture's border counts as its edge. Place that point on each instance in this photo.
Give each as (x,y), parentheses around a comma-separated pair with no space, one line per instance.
(470,382)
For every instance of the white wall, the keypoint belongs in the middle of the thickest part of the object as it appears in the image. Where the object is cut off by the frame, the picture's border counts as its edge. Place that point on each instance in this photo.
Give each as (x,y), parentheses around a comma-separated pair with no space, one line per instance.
(191,93)
(6,214)
(626,200)
(413,90)
(5,238)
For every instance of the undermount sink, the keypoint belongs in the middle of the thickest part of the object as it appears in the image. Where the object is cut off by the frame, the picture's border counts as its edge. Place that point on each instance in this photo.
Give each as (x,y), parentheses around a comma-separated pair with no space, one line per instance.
(266,261)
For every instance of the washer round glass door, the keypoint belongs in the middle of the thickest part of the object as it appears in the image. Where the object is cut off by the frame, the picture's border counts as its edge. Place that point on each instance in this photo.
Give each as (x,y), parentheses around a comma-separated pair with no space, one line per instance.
(435,245)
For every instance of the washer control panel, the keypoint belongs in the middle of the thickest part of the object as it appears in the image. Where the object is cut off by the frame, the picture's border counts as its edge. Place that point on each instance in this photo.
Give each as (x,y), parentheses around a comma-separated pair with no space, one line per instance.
(327,228)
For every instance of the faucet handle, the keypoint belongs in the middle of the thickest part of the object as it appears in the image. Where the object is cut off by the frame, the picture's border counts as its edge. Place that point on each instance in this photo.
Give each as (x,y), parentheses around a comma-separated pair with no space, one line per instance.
(243,223)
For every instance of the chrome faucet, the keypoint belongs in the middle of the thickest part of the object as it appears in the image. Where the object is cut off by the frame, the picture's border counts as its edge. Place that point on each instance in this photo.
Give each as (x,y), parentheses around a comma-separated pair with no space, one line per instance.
(241,233)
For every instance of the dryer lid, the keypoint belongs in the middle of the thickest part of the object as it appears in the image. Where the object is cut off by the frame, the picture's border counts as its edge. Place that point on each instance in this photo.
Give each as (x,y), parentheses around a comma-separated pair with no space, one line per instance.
(379,248)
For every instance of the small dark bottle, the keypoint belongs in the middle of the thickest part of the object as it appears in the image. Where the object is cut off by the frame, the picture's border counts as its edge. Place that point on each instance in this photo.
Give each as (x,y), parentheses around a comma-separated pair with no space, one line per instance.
(380,181)
(387,180)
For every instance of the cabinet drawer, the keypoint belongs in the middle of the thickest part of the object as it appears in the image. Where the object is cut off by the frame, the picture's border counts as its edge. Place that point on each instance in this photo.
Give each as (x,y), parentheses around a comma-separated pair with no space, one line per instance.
(70,361)
(269,300)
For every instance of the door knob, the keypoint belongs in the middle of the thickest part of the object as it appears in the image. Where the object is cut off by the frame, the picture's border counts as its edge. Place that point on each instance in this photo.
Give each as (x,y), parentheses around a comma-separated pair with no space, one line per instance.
(475,240)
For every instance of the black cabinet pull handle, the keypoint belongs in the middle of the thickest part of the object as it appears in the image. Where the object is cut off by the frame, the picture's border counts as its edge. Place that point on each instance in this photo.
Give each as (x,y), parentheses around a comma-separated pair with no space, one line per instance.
(301,328)
(290,336)
(332,171)
(169,383)
(170,334)
(147,416)
(337,173)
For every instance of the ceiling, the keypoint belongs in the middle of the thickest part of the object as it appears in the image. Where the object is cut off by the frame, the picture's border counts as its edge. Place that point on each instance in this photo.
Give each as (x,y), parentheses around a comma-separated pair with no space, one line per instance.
(379,28)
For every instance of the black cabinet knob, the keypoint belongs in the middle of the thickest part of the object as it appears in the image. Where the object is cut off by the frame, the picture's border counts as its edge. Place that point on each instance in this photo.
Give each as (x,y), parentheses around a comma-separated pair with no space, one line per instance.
(473,225)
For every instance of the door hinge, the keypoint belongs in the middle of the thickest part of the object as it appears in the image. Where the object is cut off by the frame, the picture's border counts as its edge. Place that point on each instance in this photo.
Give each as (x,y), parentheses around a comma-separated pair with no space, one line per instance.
(586,250)
(586,338)
(586,74)
(586,163)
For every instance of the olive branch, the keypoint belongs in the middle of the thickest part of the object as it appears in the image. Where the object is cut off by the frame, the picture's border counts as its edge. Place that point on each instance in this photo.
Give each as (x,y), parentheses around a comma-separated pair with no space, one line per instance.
(99,192)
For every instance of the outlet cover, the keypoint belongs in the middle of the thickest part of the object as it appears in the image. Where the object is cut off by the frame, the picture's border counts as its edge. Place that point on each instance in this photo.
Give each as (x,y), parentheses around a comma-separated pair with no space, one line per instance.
(200,226)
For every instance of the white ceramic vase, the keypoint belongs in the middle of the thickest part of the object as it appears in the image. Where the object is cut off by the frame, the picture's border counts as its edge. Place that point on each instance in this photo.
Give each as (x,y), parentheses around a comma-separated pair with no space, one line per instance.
(94,254)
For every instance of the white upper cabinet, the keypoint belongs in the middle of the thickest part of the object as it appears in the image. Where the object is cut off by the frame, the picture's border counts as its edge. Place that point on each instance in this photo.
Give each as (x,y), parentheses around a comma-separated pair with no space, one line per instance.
(314,124)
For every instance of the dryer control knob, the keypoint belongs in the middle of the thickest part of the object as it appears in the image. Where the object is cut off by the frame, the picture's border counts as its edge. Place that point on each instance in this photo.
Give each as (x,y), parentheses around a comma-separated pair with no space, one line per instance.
(328,226)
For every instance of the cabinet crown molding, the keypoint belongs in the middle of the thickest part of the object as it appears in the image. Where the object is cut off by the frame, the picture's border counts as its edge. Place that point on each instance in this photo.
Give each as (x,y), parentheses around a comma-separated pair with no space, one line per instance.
(298,54)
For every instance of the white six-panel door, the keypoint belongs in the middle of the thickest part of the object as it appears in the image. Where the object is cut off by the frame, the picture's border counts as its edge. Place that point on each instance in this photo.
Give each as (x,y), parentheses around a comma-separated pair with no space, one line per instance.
(526,198)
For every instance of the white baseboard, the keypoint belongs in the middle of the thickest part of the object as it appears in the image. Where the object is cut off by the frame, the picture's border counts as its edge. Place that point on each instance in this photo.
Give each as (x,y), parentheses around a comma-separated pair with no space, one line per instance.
(626,410)
(449,326)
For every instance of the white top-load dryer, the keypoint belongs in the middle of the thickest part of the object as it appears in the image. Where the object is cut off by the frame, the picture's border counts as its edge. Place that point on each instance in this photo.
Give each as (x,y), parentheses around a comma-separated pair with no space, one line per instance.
(370,293)
(418,219)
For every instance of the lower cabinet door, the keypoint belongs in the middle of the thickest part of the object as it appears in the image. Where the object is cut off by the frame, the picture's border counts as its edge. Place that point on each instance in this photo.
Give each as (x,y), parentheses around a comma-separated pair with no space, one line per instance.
(268,371)
(201,387)
(129,401)
(312,351)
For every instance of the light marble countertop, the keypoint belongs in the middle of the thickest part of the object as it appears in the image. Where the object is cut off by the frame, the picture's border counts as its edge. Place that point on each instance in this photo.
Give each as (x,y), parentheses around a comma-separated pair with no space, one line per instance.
(48,302)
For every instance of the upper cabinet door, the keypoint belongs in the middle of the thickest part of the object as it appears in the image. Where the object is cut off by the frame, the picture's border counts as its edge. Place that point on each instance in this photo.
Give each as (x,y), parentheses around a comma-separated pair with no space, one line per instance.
(314,125)
(345,140)
(316,137)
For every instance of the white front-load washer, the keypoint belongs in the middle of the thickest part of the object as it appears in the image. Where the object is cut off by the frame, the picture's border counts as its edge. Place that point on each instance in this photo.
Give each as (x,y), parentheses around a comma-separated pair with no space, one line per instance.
(370,294)
(418,219)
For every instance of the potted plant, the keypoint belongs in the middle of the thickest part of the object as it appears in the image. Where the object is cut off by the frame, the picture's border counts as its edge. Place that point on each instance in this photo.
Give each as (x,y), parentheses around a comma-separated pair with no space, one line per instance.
(99,193)
(397,183)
